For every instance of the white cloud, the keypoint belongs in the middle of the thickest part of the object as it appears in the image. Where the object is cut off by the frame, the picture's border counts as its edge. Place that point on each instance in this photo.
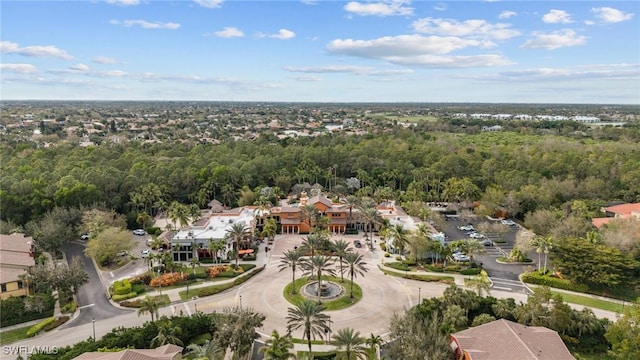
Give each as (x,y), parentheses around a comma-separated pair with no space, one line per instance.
(507,14)
(611,15)
(123,2)
(146,24)
(282,34)
(352,69)
(607,71)
(554,40)
(417,50)
(440,7)
(211,4)
(381,8)
(555,16)
(308,78)
(104,60)
(229,32)
(19,68)
(8,47)
(79,67)
(474,28)
(309,2)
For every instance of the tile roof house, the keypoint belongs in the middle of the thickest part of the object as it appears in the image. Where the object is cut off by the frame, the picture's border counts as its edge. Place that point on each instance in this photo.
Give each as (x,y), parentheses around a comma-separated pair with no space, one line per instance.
(507,340)
(621,211)
(16,258)
(165,352)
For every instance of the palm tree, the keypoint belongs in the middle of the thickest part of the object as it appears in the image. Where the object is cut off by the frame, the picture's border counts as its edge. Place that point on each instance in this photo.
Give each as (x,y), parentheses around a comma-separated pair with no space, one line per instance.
(341,248)
(400,237)
(313,242)
(473,247)
(350,343)
(454,317)
(373,341)
(538,243)
(209,350)
(481,283)
(215,246)
(178,213)
(315,266)
(350,201)
(548,245)
(277,347)
(370,215)
(309,316)
(149,305)
(270,228)
(194,263)
(584,321)
(309,213)
(355,266)
(156,242)
(168,333)
(291,259)
(503,308)
(238,235)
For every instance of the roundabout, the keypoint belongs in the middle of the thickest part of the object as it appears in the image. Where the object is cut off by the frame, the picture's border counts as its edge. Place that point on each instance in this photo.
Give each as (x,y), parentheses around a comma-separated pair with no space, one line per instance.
(337,296)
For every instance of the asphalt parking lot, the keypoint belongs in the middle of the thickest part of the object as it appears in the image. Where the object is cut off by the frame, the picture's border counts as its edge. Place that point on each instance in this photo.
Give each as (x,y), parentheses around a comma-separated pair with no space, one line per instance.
(504,276)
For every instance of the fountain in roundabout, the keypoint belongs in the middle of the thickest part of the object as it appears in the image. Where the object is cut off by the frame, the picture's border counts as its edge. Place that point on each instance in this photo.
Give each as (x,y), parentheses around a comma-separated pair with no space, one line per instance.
(329,290)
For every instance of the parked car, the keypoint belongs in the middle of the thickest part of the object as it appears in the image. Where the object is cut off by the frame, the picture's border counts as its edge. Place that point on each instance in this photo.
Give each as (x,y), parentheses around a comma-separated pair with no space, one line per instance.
(460,257)
(139,232)
(84,237)
(508,222)
(357,243)
(476,235)
(487,242)
(146,252)
(466,227)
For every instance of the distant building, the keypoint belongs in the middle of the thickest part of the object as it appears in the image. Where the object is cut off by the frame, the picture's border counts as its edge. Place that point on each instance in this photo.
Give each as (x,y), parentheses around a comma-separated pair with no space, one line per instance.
(621,211)
(16,259)
(507,340)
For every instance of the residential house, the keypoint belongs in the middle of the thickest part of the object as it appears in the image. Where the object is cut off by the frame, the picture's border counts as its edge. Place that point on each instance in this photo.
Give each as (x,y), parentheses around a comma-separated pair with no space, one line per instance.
(620,211)
(507,340)
(16,259)
(289,218)
(164,352)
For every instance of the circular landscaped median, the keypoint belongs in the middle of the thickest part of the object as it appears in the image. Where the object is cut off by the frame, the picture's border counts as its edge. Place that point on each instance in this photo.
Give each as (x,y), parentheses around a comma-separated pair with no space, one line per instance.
(337,294)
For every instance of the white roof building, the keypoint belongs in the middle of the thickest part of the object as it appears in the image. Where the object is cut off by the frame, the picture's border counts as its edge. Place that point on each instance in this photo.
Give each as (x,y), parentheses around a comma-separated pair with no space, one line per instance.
(215,227)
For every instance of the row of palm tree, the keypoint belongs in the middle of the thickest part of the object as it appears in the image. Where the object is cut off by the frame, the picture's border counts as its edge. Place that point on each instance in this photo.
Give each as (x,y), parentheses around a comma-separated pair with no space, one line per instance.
(315,266)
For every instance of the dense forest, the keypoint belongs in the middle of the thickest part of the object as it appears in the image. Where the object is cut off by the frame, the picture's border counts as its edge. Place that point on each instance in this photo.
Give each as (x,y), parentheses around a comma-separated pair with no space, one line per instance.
(520,172)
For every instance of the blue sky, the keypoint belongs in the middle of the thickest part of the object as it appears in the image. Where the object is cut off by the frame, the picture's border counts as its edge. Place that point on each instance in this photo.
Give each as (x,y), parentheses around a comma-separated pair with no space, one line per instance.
(322,51)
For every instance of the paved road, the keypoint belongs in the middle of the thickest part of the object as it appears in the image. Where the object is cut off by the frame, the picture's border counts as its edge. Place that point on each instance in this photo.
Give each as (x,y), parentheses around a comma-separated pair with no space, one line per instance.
(92,298)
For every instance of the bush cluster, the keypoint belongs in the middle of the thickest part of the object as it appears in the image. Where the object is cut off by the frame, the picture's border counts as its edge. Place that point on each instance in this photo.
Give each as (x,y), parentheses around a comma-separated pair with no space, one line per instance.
(118,298)
(471,271)
(69,308)
(59,321)
(168,279)
(398,266)
(143,279)
(383,246)
(35,329)
(16,310)
(554,282)
(214,271)
(153,230)
(122,287)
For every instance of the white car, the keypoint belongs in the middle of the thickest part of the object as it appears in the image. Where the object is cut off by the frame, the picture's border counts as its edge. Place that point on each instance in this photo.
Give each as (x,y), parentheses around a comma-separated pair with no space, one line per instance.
(139,232)
(476,235)
(466,227)
(508,222)
(461,257)
(145,253)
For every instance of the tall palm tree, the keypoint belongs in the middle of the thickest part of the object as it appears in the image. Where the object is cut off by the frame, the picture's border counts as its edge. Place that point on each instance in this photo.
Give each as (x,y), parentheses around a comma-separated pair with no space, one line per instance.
(537,242)
(355,266)
(277,347)
(309,214)
(178,214)
(370,215)
(373,341)
(168,333)
(238,234)
(350,343)
(341,248)
(194,263)
(473,247)
(400,237)
(270,228)
(149,305)
(209,350)
(291,259)
(313,242)
(309,316)
(315,266)
(481,283)
(351,201)
(215,246)
(548,245)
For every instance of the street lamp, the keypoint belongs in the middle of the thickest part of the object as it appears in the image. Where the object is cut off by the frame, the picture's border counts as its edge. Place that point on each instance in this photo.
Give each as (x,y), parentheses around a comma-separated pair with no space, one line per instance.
(93,322)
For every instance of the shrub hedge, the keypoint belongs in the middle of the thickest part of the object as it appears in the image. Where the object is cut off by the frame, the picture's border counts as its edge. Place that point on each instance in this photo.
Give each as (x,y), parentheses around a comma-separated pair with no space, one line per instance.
(118,298)
(554,282)
(35,329)
(59,321)
(470,271)
(122,287)
(69,308)
(16,310)
(398,266)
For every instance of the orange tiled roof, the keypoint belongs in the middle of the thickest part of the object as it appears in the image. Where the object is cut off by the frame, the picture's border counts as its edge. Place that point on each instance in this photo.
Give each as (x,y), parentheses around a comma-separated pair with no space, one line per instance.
(598,222)
(624,209)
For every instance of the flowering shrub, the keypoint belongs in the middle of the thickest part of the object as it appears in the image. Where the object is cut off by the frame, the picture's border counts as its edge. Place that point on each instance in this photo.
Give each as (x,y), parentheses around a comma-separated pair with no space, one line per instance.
(168,279)
(214,271)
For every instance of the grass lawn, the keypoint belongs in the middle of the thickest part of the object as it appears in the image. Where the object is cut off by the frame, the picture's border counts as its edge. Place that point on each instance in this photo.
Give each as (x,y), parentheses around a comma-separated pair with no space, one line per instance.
(590,302)
(340,303)
(10,336)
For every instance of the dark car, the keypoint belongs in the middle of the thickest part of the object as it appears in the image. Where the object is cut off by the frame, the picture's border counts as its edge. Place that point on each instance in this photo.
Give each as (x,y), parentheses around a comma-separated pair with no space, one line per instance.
(357,243)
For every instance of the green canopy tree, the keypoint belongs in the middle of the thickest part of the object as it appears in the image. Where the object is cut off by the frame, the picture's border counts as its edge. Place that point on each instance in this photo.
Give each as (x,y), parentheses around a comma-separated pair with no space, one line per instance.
(277,347)
(308,316)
